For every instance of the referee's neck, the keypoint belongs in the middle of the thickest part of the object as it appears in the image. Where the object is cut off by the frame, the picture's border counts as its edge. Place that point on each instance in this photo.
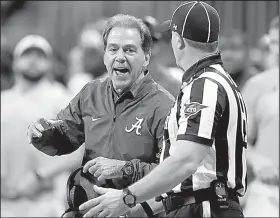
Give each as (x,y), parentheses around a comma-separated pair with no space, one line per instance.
(190,57)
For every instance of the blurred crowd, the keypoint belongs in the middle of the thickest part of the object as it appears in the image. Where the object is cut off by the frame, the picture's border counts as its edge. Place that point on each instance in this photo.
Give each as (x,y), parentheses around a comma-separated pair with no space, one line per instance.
(35,82)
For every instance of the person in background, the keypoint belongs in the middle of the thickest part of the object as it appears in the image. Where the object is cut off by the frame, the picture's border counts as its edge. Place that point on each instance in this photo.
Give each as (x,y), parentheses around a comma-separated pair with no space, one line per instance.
(7,75)
(261,94)
(235,55)
(162,66)
(25,190)
(85,61)
(260,55)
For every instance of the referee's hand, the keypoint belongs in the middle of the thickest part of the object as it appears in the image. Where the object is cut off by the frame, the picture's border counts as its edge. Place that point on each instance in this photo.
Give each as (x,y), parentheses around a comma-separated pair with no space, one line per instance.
(40,127)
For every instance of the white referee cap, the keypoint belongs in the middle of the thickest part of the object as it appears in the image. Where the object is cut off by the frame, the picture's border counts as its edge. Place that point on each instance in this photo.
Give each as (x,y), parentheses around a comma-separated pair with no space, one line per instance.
(32,41)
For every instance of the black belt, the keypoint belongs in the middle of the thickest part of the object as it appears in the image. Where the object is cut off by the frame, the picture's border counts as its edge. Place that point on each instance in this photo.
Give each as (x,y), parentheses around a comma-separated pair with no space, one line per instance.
(177,200)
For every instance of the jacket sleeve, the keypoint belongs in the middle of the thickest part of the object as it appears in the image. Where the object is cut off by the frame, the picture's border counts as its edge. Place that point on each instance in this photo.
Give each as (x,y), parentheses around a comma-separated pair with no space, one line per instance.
(69,136)
(141,169)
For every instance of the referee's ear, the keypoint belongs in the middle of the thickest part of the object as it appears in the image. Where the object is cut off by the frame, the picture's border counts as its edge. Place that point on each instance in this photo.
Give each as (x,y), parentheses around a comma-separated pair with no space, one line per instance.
(179,40)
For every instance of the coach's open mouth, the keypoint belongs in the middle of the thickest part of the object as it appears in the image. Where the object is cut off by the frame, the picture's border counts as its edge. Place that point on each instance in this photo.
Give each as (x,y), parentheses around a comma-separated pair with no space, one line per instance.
(121,71)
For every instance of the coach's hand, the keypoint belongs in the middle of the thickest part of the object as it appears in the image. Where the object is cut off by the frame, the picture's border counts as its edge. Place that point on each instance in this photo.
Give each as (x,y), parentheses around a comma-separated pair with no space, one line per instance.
(40,127)
(104,168)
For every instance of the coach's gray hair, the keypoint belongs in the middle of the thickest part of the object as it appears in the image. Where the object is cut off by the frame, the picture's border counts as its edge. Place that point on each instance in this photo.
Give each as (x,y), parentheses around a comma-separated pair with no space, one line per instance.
(128,21)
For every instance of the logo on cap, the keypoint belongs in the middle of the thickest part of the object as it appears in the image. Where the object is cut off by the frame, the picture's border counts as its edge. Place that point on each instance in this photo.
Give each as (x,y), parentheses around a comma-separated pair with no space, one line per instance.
(174,27)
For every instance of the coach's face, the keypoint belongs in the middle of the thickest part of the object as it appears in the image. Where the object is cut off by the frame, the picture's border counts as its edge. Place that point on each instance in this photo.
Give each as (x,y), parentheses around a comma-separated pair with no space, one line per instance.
(124,57)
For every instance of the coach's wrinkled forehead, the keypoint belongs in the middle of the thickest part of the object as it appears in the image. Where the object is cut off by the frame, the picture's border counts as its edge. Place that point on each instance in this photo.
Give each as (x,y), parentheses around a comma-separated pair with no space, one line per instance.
(128,21)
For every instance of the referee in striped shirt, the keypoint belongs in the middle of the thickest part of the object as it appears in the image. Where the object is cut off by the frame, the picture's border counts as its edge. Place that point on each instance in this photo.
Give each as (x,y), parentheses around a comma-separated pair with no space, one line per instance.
(203,169)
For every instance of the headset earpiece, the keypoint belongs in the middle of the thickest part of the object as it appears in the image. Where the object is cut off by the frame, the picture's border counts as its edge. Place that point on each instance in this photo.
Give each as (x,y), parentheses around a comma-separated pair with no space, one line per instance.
(79,196)
(70,199)
(76,194)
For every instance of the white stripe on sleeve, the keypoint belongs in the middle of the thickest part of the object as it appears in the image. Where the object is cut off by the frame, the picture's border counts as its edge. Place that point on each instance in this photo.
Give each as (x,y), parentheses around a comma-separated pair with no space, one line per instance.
(183,121)
(210,93)
(206,209)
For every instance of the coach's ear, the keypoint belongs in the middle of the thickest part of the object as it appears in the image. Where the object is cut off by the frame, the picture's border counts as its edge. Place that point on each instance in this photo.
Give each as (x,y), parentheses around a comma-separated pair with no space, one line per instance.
(147,56)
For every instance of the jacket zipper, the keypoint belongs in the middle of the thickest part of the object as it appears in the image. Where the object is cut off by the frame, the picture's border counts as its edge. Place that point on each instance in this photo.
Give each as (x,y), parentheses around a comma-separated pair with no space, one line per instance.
(109,145)
(112,128)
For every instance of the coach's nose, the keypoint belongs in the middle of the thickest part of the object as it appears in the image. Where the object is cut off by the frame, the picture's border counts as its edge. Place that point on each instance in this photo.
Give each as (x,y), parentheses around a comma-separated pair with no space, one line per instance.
(120,56)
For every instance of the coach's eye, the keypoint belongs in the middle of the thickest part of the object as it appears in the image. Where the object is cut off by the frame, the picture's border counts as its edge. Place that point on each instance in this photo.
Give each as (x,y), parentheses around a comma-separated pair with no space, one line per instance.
(130,50)
(112,50)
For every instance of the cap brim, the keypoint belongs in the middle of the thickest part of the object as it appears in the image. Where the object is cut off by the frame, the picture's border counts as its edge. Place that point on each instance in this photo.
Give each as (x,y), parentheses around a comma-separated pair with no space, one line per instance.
(163,27)
(32,41)
(36,48)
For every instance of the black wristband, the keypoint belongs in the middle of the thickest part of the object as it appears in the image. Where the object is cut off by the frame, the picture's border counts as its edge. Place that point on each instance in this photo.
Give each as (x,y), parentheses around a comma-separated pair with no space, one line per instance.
(148,210)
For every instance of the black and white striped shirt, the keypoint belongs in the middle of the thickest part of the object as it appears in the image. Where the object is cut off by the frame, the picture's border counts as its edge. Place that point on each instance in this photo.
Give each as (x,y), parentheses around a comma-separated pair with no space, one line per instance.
(210,110)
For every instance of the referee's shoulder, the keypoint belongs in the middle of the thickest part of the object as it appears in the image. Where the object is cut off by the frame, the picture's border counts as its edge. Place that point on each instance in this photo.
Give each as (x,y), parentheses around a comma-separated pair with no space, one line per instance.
(200,82)
(209,86)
